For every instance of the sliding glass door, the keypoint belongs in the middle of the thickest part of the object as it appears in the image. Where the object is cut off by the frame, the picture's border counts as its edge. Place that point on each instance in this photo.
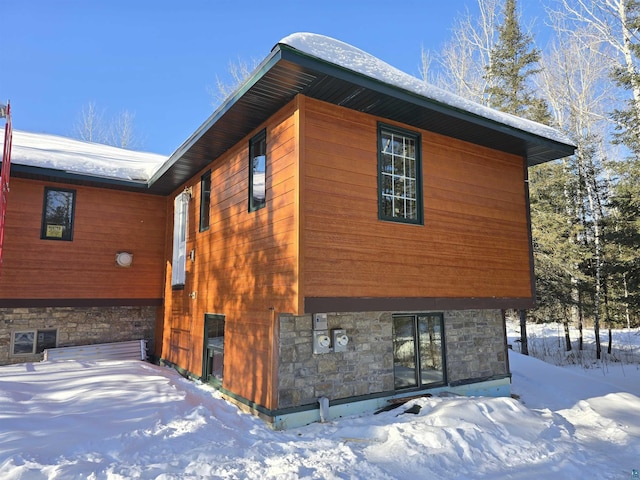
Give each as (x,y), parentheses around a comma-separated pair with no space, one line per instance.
(418,350)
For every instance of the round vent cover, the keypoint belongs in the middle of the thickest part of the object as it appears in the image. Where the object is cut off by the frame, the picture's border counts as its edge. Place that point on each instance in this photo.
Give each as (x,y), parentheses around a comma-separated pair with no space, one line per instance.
(124,259)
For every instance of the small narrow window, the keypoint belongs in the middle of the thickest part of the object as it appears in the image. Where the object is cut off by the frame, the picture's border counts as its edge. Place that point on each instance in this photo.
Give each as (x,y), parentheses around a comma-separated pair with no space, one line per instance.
(179,258)
(205,201)
(28,342)
(257,171)
(399,175)
(57,214)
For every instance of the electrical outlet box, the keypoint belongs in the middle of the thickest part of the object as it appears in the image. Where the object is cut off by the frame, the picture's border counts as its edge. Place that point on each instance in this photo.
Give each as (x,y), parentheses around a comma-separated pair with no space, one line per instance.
(321,342)
(320,321)
(340,339)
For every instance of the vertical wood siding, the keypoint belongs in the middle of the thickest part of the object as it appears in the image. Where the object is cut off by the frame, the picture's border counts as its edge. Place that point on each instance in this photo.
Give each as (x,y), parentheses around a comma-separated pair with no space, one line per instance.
(473,244)
(245,265)
(106,221)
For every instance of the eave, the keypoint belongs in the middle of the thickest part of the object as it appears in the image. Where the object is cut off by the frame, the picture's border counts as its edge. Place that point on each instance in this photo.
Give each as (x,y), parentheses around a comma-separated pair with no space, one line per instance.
(287,72)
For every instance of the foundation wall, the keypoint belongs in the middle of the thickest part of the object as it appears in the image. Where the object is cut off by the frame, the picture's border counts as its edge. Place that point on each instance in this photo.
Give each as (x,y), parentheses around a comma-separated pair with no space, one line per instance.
(75,326)
(474,351)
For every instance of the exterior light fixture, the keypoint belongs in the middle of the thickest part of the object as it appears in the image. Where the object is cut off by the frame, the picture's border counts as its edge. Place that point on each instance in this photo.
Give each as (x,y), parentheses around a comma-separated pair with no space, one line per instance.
(124,259)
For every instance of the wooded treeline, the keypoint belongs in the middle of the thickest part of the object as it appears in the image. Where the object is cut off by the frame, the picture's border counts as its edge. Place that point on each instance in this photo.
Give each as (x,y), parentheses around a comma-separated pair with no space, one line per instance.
(585,82)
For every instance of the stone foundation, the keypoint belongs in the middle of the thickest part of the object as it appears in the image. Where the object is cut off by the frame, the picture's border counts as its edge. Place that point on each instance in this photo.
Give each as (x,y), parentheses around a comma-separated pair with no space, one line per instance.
(76,326)
(474,348)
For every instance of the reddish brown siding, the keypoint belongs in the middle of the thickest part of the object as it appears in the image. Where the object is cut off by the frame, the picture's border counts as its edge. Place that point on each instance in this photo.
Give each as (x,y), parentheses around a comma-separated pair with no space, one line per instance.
(320,236)
(106,221)
(245,265)
(474,241)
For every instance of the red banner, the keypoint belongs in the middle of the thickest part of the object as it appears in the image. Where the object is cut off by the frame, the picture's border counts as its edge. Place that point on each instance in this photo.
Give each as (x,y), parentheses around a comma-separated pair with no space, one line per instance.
(4,177)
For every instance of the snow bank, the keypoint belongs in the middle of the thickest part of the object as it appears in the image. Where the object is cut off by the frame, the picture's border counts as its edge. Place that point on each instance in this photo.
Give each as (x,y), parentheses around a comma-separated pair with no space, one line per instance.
(129,419)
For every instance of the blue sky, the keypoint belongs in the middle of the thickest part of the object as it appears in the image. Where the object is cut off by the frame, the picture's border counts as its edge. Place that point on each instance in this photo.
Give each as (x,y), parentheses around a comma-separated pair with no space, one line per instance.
(159,59)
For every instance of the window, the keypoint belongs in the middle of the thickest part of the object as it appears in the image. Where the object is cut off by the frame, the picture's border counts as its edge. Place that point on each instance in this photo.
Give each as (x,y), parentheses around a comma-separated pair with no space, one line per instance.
(179,259)
(28,342)
(214,346)
(418,350)
(57,214)
(399,175)
(205,200)
(257,171)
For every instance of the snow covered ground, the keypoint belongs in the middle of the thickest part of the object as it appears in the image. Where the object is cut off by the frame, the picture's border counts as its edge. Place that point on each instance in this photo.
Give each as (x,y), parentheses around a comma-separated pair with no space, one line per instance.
(127,419)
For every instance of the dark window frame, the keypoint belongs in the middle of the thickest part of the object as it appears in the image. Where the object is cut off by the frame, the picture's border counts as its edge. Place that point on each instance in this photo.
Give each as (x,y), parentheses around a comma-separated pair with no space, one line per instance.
(417,139)
(419,382)
(257,148)
(66,236)
(205,201)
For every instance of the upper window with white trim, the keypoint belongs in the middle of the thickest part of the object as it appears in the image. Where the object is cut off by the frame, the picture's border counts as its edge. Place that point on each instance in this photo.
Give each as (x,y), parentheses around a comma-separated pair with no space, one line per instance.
(399,175)
(179,258)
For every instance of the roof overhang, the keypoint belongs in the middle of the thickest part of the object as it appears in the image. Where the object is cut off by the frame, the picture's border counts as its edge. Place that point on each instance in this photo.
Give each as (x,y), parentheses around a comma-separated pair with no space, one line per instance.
(287,72)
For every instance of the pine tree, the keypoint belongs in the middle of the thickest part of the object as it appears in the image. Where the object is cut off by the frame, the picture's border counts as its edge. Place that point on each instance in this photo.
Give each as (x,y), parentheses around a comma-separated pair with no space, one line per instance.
(513,62)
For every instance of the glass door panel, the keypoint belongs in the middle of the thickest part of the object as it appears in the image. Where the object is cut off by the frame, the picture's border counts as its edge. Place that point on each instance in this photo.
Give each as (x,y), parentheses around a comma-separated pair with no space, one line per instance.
(404,352)
(430,338)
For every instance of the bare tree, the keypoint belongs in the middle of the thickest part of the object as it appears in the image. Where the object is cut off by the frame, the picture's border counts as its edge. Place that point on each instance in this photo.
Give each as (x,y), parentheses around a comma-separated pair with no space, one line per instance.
(90,124)
(122,131)
(239,71)
(464,60)
(609,21)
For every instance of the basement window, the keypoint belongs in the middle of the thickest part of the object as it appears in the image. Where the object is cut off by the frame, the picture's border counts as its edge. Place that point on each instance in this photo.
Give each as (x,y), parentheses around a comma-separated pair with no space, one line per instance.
(257,171)
(57,214)
(29,342)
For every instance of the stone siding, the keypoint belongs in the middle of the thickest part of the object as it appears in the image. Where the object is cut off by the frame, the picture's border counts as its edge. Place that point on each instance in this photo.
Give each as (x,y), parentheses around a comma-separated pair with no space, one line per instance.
(474,346)
(475,343)
(76,326)
(365,368)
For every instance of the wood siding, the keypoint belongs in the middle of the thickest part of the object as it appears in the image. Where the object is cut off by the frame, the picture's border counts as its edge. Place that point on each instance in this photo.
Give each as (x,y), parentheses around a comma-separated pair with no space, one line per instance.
(245,265)
(106,221)
(475,239)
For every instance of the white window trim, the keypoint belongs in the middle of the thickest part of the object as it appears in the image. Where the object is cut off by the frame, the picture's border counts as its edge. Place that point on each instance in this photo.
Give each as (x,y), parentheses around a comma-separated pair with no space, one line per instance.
(180,219)
(33,346)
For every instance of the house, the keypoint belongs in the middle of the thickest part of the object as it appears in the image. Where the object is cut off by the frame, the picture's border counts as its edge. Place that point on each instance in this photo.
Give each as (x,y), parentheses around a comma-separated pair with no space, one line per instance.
(84,247)
(338,234)
(349,234)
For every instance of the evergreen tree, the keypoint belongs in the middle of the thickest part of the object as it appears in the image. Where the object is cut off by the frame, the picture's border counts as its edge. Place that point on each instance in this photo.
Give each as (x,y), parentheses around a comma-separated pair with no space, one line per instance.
(514,61)
(555,230)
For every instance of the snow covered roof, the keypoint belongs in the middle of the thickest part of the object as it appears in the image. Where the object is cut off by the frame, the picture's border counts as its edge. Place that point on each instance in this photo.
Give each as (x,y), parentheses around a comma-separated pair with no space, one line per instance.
(356,60)
(76,157)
